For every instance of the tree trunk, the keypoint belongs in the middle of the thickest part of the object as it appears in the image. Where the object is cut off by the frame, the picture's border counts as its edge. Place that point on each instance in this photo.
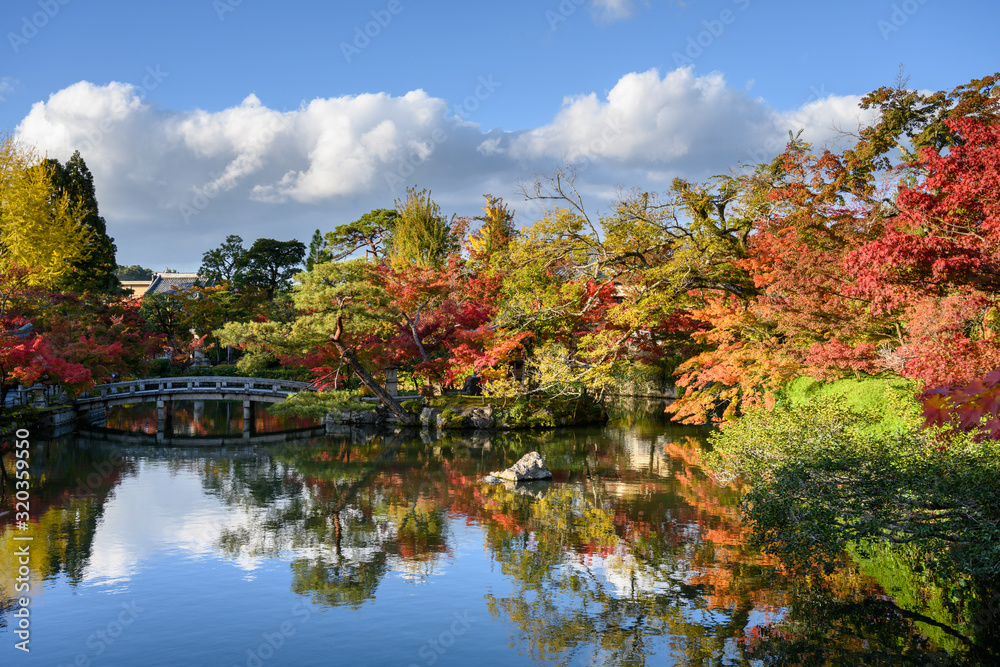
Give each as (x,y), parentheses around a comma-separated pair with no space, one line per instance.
(388,400)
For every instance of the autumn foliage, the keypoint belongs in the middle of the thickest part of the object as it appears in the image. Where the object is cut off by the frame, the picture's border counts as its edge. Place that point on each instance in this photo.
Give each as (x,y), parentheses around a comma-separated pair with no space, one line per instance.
(878,260)
(866,265)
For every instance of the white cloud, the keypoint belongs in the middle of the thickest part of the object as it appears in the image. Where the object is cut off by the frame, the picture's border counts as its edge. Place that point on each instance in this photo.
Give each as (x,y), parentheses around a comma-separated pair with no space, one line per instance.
(609,11)
(679,120)
(7,84)
(173,184)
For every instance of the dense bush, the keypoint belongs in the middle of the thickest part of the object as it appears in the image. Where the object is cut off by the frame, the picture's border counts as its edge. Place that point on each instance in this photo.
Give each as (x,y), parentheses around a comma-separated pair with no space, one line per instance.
(824,475)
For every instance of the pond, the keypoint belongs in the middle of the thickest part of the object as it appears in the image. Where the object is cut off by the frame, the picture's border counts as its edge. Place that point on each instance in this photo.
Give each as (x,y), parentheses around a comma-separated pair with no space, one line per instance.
(368,548)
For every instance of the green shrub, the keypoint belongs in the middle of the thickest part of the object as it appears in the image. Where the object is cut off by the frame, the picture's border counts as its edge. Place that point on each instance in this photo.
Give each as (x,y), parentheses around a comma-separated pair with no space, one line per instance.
(518,412)
(17,414)
(159,368)
(542,419)
(824,475)
(318,404)
(889,402)
(451,419)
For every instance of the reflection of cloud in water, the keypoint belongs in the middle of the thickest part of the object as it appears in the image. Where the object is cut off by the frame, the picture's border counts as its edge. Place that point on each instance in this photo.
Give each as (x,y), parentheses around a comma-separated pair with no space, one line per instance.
(624,576)
(363,539)
(161,508)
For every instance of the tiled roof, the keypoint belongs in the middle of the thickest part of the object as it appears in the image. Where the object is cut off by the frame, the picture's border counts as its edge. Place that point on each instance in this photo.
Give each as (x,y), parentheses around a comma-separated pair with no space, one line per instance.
(164,283)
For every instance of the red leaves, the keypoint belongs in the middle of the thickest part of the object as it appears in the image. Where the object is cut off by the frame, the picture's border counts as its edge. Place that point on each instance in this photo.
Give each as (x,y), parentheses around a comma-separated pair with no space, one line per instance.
(947,232)
(74,341)
(744,366)
(35,360)
(975,406)
(835,354)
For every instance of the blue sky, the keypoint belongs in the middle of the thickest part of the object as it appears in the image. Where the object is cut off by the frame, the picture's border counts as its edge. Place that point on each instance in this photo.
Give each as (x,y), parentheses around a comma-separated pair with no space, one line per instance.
(202,118)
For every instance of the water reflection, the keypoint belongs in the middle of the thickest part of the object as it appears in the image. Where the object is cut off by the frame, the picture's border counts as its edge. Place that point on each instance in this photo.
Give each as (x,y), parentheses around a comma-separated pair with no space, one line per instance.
(201,419)
(630,556)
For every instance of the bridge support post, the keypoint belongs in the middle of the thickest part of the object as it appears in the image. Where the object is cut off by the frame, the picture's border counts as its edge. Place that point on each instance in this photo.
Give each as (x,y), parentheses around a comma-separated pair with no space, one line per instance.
(164,416)
(247,418)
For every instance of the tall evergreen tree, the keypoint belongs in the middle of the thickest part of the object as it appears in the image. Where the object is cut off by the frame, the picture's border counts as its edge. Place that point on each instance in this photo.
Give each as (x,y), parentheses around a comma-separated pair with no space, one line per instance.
(370,233)
(95,272)
(319,251)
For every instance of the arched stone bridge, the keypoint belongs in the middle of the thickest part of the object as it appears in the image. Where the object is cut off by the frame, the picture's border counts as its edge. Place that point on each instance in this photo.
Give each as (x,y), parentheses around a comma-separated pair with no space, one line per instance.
(207,388)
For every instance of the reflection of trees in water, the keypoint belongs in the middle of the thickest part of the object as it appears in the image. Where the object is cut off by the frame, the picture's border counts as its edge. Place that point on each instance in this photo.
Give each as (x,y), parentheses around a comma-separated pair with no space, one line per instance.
(202,418)
(633,556)
(584,589)
(331,507)
(622,568)
(830,622)
(70,486)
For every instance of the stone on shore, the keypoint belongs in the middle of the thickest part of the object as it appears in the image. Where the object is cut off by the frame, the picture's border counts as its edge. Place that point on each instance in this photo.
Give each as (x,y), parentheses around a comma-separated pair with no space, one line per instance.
(428,417)
(480,417)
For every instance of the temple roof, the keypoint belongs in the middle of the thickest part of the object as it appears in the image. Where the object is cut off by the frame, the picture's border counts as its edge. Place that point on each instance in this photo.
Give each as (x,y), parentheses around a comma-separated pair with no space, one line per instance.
(164,283)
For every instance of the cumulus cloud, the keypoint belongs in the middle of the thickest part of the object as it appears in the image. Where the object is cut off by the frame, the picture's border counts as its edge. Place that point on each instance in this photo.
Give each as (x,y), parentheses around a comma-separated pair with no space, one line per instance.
(679,120)
(174,183)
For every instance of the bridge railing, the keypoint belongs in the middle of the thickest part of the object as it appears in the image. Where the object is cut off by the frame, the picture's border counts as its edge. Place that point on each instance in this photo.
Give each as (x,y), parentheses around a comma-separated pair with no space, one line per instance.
(193,385)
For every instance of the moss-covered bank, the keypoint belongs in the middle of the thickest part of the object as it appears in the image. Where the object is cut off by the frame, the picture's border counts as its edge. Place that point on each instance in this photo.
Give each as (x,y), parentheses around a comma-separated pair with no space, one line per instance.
(475,412)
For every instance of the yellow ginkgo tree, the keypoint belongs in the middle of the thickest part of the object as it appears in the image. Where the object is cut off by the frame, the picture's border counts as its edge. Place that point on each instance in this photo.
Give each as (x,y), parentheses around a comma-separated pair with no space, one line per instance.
(37,228)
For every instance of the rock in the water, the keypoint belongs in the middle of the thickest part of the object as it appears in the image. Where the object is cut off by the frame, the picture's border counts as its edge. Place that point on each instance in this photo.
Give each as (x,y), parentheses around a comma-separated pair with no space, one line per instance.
(533,489)
(530,466)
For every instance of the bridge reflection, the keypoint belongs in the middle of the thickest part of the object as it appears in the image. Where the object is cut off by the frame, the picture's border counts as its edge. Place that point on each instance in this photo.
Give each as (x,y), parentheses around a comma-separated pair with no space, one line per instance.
(163,439)
(166,391)
(199,423)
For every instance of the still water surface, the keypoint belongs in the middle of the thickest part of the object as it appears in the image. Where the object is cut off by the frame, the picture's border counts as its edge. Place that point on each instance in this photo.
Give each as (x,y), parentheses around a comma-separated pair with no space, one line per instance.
(360,548)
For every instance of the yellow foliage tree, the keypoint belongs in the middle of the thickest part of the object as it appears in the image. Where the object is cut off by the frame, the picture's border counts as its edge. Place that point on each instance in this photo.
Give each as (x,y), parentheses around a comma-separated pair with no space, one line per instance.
(37,228)
(496,232)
